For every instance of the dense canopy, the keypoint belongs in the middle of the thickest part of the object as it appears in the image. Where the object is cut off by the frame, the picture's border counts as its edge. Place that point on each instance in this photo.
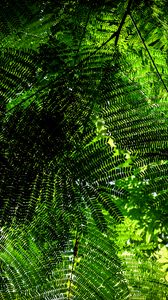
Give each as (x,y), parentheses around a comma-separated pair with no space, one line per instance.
(84,149)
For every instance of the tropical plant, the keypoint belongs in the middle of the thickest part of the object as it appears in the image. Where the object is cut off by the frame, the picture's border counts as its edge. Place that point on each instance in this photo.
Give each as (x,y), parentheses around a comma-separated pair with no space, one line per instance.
(84,146)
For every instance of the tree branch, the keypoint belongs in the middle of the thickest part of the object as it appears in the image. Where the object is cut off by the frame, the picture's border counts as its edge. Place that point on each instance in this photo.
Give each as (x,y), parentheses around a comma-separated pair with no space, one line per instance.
(114,35)
(123,21)
(150,56)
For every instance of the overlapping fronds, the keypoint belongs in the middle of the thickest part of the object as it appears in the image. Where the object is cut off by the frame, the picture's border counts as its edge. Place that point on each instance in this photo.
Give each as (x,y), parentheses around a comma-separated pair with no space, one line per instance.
(17,69)
(44,149)
(70,184)
(144,278)
(24,271)
(86,123)
(156,186)
(50,134)
(132,122)
(14,15)
(87,268)
(95,269)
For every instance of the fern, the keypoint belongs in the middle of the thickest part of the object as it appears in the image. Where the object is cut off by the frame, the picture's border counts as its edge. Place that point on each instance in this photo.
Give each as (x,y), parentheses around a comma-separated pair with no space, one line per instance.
(17,71)
(88,268)
(70,145)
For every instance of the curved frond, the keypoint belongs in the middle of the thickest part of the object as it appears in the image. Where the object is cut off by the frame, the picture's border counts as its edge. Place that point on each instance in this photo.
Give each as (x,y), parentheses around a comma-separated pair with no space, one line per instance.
(87,269)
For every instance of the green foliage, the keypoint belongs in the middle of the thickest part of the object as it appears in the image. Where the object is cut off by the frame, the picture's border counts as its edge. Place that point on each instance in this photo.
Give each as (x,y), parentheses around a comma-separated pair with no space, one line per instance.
(87,268)
(84,145)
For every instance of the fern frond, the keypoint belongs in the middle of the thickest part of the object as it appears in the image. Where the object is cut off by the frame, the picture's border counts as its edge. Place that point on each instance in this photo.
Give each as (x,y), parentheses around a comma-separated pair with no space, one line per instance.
(17,68)
(87,267)
(96,269)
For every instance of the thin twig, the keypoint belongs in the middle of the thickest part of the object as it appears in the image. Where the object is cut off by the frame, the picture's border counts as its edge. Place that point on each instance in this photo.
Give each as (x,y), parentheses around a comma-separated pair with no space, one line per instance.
(64,72)
(143,41)
(94,52)
(114,35)
(123,21)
